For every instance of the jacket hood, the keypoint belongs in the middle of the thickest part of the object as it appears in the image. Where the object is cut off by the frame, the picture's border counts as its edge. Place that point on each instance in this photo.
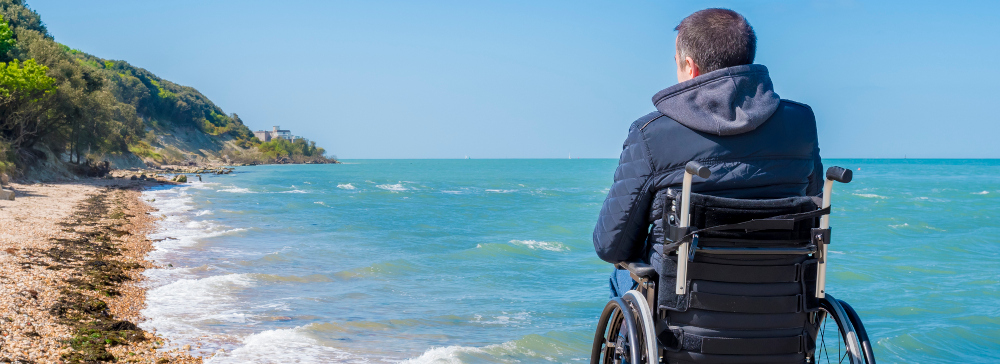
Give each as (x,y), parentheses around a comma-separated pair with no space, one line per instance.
(728,101)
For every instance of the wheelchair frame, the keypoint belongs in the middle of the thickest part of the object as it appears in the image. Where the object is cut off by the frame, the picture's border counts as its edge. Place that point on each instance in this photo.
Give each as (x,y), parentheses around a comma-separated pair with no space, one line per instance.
(633,316)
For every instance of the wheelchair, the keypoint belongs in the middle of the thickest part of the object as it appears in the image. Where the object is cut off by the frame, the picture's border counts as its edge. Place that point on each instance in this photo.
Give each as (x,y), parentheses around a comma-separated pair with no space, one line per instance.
(744,282)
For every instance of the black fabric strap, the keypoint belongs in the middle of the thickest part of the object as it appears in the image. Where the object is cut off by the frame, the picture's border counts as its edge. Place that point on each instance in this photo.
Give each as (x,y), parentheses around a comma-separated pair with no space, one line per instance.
(781,222)
(743,346)
(743,273)
(745,304)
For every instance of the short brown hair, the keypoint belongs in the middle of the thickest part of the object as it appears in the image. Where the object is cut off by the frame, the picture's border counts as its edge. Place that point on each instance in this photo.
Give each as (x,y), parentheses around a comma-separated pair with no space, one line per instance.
(716,39)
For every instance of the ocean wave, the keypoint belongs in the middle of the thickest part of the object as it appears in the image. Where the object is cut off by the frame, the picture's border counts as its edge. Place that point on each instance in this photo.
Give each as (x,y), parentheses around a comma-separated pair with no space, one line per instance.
(178,308)
(542,245)
(505,319)
(394,187)
(234,189)
(444,355)
(981,193)
(177,227)
(870,195)
(283,346)
(200,185)
(294,191)
(169,200)
(388,268)
(500,191)
(346,186)
(531,348)
(274,278)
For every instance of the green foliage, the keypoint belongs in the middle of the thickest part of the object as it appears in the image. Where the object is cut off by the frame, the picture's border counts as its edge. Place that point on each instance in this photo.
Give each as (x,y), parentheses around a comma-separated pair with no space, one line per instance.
(146,151)
(27,82)
(280,147)
(7,41)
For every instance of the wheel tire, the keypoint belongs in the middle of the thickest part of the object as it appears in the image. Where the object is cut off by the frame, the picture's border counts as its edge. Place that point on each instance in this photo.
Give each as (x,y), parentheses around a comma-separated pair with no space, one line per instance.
(847,335)
(608,348)
(859,327)
(646,327)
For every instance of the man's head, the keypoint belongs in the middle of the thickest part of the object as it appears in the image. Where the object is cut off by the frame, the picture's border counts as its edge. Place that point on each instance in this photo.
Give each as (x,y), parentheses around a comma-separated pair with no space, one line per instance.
(713,39)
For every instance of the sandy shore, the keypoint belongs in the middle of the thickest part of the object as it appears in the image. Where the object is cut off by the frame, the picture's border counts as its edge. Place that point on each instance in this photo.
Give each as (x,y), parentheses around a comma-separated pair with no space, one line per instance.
(71,261)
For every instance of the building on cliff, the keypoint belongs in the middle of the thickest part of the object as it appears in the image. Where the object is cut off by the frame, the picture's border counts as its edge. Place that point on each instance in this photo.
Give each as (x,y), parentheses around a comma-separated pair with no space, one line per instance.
(267,135)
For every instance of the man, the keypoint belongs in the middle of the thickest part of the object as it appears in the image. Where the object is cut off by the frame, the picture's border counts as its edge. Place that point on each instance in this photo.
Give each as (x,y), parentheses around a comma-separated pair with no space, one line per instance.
(723,113)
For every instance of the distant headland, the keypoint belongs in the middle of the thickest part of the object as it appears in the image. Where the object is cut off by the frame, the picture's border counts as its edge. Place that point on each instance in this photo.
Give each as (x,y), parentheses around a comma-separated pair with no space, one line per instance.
(65,113)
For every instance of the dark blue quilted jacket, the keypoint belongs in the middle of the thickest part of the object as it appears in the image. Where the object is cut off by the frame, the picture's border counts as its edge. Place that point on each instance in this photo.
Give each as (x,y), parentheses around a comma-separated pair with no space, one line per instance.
(756,144)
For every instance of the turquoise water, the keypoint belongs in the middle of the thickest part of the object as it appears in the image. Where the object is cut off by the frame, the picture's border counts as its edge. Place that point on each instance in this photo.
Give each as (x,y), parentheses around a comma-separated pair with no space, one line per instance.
(480,261)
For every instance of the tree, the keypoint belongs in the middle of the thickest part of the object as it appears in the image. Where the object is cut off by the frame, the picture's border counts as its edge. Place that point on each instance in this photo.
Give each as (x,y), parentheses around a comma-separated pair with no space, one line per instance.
(21,88)
(7,41)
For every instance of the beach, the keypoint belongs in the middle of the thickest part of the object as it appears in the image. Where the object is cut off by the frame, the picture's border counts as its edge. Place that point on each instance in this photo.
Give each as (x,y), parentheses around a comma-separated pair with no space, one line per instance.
(71,261)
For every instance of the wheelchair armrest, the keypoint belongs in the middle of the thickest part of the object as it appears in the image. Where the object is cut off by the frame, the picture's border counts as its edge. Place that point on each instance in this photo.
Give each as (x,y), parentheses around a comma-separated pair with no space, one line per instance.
(639,269)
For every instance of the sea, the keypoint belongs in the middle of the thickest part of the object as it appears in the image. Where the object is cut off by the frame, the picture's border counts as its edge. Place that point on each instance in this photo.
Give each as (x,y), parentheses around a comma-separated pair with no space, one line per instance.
(491,261)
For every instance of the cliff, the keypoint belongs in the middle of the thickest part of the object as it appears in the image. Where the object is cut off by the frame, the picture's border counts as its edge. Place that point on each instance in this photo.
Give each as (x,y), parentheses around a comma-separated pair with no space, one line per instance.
(65,112)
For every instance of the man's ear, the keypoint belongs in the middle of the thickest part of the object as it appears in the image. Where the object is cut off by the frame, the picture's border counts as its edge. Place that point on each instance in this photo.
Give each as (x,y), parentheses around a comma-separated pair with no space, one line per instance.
(691,68)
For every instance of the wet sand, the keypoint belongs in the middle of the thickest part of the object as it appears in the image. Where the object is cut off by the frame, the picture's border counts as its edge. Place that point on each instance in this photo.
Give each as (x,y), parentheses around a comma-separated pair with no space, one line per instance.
(71,261)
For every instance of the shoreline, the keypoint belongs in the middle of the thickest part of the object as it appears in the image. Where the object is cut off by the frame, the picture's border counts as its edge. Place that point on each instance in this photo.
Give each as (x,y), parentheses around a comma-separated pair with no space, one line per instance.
(72,257)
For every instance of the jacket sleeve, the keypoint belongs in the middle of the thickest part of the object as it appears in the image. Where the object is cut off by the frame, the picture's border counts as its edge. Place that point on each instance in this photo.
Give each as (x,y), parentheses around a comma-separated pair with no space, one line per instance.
(622,225)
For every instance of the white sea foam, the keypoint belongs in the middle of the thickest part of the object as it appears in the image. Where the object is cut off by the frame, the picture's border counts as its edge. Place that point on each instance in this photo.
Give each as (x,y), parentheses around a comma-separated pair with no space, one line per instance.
(443,355)
(294,191)
(870,195)
(346,186)
(464,354)
(394,187)
(283,346)
(981,193)
(178,308)
(541,245)
(203,213)
(200,185)
(234,189)
(899,225)
(501,191)
(506,319)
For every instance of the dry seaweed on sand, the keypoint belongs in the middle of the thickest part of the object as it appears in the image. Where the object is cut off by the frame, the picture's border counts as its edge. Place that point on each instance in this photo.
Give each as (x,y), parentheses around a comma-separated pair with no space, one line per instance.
(76,297)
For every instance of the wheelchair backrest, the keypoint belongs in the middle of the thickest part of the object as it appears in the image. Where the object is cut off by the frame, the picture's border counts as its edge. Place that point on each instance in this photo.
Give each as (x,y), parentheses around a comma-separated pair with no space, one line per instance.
(751,276)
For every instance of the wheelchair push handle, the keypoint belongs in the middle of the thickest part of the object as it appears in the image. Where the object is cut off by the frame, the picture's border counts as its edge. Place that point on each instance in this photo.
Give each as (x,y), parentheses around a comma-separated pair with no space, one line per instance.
(691,169)
(697,169)
(839,174)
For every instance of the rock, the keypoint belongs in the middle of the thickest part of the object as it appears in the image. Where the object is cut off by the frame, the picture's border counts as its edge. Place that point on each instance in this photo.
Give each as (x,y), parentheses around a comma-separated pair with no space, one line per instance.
(134,177)
(7,195)
(182,178)
(186,348)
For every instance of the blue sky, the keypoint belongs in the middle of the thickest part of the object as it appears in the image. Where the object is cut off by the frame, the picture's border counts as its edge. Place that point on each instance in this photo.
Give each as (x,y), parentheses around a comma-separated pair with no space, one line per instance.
(543,79)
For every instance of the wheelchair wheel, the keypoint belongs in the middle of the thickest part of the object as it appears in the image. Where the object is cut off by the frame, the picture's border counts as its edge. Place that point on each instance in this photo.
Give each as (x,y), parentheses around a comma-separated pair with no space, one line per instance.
(866,345)
(840,338)
(618,336)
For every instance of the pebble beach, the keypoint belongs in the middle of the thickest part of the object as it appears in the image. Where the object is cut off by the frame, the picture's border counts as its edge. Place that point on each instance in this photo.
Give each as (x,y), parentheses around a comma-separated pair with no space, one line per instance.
(71,285)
